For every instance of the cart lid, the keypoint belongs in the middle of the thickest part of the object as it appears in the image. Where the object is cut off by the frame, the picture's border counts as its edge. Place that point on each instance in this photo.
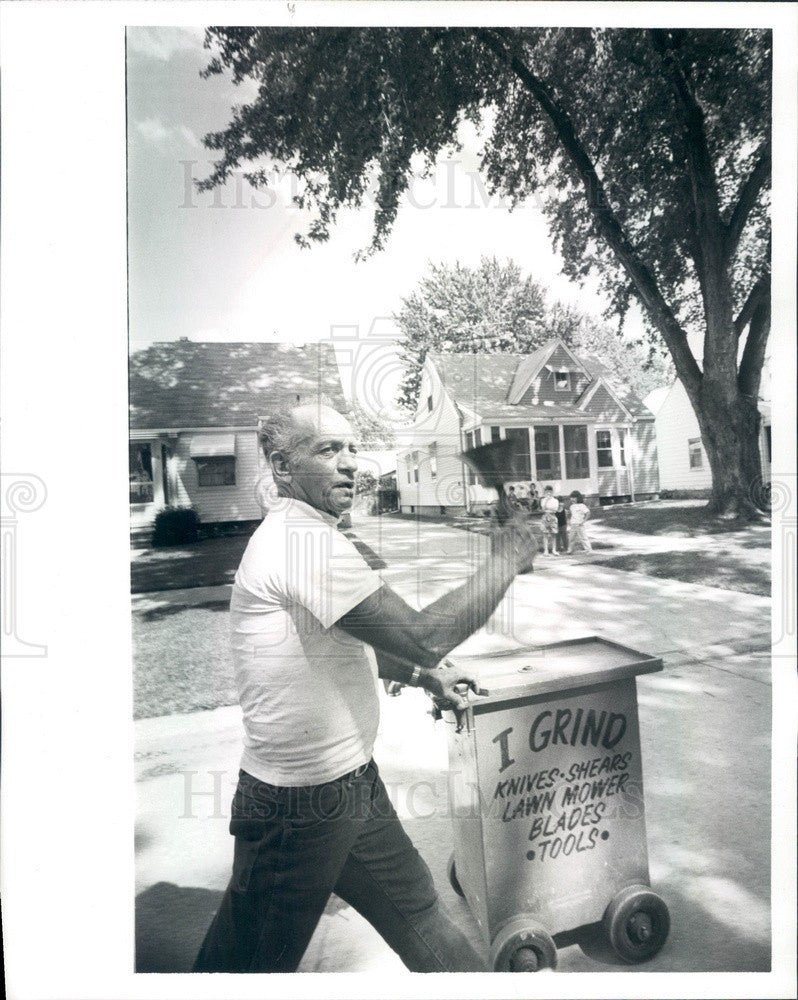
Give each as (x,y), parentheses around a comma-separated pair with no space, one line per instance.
(559,666)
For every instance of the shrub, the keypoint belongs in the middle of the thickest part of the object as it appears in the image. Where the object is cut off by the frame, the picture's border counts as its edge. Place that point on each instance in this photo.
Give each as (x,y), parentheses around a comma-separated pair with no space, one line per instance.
(175,526)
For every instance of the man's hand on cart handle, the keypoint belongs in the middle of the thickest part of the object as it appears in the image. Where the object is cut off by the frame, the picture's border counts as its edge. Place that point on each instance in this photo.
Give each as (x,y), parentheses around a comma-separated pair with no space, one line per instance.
(449,684)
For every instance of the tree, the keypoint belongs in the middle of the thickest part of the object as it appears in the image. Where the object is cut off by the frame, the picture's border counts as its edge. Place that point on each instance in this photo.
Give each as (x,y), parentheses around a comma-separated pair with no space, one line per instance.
(366,482)
(490,308)
(654,148)
(493,308)
(640,363)
(373,430)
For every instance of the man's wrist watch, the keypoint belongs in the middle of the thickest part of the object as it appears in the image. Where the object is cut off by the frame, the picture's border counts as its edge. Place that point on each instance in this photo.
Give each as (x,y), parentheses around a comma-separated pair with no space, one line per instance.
(415,677)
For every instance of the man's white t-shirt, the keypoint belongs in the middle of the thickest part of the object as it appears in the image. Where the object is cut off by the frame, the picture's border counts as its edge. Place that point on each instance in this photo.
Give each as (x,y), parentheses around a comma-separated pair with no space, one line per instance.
(307,689)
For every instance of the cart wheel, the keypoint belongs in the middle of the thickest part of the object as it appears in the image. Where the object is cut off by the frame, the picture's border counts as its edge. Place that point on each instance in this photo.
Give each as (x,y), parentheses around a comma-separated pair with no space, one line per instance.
(637,923)
(523,945)
(451,871)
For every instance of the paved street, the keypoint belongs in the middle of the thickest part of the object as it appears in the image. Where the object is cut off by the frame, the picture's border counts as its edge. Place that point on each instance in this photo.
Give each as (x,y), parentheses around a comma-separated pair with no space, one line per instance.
(705,731)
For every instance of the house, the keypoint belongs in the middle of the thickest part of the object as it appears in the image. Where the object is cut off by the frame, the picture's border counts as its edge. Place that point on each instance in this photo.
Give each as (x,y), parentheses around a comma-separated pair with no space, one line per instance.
(577,428)
(195,414)
(683,463)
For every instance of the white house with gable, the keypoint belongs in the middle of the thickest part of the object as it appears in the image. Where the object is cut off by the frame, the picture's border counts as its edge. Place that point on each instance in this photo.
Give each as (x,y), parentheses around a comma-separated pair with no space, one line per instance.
(577,428)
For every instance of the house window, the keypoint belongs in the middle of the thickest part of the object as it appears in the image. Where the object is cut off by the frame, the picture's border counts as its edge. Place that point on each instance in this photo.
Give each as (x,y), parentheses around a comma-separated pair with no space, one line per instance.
(694,451)
(622,447)
(220,470)
(547,452)
(604,449)
(577,459)
(562,381)
(414,460)
(433,460)
(495,433)
(429,403)
(522,468)
(478,437)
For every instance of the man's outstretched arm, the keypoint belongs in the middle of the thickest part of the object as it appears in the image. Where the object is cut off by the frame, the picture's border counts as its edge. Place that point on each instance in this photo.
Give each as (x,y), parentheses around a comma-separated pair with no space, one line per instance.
(423,638)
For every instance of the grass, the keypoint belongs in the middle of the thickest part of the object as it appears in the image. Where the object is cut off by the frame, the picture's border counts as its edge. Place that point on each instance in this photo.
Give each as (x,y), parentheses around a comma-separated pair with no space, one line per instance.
(675,518)
(181,660)
(722,569)
(201,564)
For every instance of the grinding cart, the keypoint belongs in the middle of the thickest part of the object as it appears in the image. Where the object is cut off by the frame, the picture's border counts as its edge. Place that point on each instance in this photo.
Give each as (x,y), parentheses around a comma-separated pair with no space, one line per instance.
(546,797)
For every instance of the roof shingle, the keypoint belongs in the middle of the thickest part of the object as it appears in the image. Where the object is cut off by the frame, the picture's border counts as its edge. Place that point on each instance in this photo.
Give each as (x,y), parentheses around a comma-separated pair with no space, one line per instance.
(185,384)
(481,382)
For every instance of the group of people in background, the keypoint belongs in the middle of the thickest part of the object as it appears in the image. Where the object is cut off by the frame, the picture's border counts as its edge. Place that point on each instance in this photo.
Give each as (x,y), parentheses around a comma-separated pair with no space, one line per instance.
(564,520)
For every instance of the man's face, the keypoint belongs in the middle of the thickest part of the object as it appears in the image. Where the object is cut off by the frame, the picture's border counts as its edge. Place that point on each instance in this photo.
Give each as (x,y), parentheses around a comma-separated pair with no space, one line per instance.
(323,468)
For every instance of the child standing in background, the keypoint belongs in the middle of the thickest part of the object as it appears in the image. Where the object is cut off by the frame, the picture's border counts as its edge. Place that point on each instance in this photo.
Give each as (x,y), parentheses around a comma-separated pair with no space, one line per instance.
(562,527)
(549,505)
(580,512)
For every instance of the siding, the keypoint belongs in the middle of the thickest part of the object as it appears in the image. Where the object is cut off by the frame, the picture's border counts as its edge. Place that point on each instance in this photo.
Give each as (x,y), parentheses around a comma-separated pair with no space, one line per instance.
(542,387)
(676,423)
(441,426)
(613,482)
(643,444)
(221,503)
(603,408)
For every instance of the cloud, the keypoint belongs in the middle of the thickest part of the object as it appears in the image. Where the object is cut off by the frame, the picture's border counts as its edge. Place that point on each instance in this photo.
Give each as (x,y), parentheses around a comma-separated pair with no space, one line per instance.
(153,129)
(162,42)
(190,137)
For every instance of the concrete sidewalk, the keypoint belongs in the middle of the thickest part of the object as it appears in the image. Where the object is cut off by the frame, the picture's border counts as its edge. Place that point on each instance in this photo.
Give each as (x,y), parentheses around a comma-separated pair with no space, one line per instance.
(705,730)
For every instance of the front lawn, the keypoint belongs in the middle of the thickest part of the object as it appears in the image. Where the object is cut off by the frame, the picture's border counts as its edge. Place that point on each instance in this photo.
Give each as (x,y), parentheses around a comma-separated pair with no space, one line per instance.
(181,659)
(201,564)
(723,569)
(677,518)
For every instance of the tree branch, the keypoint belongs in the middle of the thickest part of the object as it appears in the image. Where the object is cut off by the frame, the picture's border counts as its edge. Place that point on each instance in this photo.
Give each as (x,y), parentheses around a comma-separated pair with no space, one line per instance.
(760,288)
(710,229)
(749,192)
(598,202)
(749,374)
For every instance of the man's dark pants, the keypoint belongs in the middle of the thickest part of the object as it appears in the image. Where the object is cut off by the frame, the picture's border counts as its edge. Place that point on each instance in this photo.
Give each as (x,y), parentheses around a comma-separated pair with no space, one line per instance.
(294,846)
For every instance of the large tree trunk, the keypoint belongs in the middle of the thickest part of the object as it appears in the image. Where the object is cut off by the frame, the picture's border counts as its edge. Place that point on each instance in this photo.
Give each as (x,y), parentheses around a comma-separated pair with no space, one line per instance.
(729,423)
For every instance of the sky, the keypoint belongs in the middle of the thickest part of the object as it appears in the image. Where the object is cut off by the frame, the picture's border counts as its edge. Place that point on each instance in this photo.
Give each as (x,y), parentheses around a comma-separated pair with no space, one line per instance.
(223,266)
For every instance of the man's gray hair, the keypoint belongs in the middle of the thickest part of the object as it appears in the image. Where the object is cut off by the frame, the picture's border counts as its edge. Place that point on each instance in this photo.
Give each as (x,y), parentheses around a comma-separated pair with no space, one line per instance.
(280,431)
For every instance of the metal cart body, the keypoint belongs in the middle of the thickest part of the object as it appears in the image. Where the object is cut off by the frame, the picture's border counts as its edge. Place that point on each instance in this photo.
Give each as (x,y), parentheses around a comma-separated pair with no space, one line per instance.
(546,786)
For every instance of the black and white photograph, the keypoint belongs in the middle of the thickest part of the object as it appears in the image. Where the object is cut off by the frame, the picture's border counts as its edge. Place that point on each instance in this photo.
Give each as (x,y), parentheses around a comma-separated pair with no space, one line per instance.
(446,623)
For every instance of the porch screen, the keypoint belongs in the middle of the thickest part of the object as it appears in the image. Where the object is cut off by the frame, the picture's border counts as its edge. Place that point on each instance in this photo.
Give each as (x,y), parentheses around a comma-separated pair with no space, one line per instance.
(521,465)
(140,473)
(577,460)
(547,452)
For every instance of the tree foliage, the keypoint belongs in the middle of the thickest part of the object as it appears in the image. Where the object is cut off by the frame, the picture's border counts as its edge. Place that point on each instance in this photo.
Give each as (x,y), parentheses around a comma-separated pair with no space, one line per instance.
(651,150)
(490,308)
(373,431)
(366,482)
(494,308)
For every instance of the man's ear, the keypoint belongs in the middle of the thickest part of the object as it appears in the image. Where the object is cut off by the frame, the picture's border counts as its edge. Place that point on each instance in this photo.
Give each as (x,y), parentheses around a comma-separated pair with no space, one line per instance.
(280,467)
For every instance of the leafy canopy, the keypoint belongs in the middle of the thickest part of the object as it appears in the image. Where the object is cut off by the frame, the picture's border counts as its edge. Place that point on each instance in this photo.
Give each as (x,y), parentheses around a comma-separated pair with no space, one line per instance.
(348,107)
